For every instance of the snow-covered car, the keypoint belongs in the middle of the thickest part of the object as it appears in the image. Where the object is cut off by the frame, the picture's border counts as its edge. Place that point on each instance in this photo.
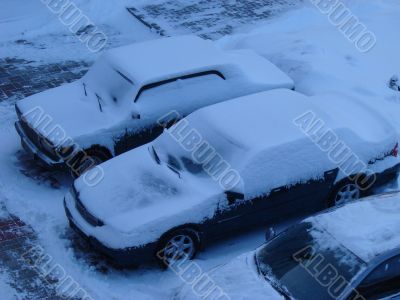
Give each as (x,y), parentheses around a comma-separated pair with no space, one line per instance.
(228,167)
(352,252)
(115,106)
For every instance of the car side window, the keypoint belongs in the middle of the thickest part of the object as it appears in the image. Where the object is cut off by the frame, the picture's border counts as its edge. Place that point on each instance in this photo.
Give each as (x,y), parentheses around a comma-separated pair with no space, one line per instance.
(155,85)
(383,282)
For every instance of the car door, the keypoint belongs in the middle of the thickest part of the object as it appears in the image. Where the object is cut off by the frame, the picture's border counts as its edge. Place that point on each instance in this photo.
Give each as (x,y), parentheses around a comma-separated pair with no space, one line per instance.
(296,200)
(280,204)
(383,282)
(233,214)
(179,96)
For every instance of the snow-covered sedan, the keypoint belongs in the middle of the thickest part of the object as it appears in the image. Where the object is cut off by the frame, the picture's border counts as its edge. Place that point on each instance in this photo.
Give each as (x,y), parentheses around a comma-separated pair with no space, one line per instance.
(229,167)
(115,106)
(350,253)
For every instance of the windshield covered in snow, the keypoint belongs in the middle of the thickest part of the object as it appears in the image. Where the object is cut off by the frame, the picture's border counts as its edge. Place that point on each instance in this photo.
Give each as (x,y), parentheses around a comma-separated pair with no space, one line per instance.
(197,151)
(177,164)
(295,264)
(107,83)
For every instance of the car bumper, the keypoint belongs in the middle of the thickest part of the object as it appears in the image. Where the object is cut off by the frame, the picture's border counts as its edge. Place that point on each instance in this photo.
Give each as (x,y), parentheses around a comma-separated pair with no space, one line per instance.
(35,152)
(127,257)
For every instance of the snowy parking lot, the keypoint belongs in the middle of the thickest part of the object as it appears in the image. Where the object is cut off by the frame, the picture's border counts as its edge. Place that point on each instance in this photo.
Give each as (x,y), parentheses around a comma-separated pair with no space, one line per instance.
(38,52)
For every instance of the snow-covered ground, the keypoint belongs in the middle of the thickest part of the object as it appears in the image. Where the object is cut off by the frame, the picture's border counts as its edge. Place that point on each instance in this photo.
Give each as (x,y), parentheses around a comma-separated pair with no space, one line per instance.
(47,39)
(302,42)
(7,292)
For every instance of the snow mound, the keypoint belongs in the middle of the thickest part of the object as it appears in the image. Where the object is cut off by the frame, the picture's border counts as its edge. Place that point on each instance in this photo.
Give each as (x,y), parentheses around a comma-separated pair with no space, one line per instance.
(238,280)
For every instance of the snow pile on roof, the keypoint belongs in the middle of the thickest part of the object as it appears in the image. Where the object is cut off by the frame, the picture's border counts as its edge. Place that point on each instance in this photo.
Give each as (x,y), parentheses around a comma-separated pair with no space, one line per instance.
(165,58)
(271,114)
(162,57)
(367,228)
(262,128)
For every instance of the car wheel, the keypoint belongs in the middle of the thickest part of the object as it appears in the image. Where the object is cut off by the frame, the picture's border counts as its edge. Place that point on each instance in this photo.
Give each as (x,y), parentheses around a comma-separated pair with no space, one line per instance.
(180,245)
(95,158)
(345,192)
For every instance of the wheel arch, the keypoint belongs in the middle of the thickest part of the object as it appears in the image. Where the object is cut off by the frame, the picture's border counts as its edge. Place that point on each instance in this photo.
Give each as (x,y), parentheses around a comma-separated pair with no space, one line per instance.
(99,148)
(346,180)
(95,148)
(195,228)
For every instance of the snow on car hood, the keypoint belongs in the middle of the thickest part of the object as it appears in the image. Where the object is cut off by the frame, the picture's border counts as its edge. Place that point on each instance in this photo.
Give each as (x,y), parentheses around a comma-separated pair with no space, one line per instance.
(238,280)
(351,225)
(136,192)
(67,107)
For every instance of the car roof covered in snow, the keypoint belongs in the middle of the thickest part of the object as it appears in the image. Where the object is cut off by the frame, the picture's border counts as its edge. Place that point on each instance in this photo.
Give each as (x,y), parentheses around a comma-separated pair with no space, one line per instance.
(166,58)
(368,228)
(267,119)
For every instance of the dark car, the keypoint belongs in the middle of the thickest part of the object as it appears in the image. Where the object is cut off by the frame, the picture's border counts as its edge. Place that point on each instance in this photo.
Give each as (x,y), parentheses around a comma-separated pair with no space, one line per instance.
(225,168)
(348,253)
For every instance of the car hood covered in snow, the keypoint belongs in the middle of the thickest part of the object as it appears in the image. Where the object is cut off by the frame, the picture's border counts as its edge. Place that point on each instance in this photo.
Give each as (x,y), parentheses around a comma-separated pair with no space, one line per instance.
(353,227)
(142,199)
(236,280)
(68,108)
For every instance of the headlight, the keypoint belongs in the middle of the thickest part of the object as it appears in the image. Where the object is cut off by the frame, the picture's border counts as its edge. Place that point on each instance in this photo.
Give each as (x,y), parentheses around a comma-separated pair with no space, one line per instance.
(85,214)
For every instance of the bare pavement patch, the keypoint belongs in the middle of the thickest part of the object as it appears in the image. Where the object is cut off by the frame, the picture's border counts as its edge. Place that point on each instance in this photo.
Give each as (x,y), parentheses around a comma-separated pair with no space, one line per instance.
(210,19)
(20,78)
(16,239)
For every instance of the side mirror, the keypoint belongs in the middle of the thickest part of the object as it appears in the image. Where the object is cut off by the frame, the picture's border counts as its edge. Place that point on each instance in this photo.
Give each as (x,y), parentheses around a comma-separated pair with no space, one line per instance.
(270,234)
(233,196)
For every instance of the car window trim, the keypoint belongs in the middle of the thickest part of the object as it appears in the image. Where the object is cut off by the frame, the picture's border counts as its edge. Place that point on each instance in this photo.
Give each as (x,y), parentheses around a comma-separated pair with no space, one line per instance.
(163,82)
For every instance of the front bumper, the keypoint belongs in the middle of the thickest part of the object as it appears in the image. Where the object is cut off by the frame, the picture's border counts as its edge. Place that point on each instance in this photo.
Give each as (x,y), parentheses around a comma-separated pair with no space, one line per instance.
(33,150)
(127,257)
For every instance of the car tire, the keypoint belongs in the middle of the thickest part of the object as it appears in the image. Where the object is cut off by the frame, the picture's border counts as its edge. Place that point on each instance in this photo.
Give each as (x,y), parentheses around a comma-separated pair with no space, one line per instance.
(344,192)
(97,156)
(179,245)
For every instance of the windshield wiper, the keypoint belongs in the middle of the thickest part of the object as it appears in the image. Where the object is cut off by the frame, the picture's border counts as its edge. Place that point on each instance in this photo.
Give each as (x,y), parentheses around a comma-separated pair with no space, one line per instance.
(125,77)
(99,101)
(174,170)
(155,155)
(84,88)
